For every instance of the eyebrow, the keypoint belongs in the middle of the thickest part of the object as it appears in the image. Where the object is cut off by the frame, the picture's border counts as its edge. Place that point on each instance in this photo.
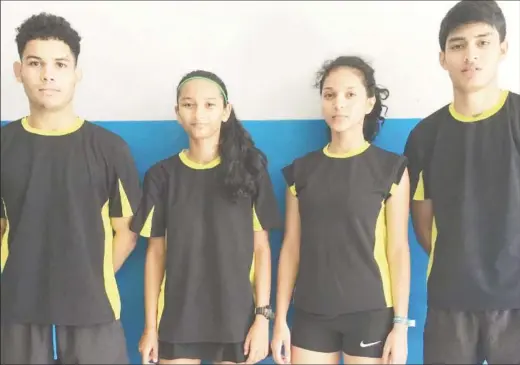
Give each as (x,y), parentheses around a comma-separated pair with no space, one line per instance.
(460,38)
(331,88)
(190,98)
(60,59)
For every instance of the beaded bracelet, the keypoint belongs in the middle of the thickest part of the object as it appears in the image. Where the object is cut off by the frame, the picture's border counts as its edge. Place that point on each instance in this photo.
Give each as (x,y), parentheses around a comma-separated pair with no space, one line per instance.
(405,321)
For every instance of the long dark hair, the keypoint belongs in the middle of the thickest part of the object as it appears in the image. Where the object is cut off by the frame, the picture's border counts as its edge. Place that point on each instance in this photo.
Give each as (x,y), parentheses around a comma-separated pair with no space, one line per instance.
(375,119)
(242,164)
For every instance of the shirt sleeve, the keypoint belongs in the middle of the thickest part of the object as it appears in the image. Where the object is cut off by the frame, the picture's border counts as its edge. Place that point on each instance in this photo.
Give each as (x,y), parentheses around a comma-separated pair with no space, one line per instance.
(397,172)
(150,220)
(288,174)
(125,191)
(415,152)
(266,213)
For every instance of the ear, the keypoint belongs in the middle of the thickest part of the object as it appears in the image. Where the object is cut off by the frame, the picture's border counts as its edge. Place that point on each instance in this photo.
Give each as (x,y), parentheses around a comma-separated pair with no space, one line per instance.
(227,112)
(370,104)
(442,59)
(504,48)
(17,68)
(79,74)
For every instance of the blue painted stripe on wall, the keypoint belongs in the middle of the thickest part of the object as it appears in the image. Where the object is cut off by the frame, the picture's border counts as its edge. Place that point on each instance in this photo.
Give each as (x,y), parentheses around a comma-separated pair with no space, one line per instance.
(282,141)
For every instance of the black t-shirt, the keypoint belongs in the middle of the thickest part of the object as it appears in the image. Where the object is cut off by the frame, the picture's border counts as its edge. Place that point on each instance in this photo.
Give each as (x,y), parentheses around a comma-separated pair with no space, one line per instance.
(59,191)
(207,294)
(343,264)
(470,169)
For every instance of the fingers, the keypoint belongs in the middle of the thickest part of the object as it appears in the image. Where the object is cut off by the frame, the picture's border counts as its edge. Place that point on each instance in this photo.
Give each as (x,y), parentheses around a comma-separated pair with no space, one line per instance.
(247,344)
(287,350)
(386,354)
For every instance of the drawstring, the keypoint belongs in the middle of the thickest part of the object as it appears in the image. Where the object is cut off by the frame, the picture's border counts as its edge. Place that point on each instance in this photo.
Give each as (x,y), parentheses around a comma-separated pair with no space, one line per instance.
(54,343)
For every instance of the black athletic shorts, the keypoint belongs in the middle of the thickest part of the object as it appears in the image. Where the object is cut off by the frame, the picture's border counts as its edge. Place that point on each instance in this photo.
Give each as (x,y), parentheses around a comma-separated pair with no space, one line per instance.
(40,344)
(457,337)
(356,334)
(216,352)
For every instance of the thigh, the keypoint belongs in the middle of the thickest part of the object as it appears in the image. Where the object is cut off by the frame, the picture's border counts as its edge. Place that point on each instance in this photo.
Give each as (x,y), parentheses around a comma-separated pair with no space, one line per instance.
(451,337)
(502,336)
(26,344)
(365,333)
(97,344)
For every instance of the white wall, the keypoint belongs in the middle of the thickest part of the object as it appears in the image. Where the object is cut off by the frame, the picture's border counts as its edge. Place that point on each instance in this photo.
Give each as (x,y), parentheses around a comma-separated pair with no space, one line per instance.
(134,53)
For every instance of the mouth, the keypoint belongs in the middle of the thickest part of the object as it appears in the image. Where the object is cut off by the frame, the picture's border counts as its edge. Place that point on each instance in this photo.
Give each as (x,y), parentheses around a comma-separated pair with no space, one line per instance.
(471,69)
(46,90)
(339,116)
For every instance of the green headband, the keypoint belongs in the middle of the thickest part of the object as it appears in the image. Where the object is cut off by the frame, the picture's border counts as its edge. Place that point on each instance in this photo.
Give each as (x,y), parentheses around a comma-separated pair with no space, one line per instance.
(224,95)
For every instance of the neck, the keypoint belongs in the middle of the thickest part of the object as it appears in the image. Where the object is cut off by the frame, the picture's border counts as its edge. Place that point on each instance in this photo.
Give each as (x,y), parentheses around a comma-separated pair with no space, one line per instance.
(349,140)
(51,120)
(203,151)
(474,103)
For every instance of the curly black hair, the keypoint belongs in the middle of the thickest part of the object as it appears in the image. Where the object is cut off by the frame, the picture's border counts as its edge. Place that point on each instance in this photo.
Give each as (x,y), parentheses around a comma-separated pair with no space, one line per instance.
(47,26)
(243,164)
(375,119)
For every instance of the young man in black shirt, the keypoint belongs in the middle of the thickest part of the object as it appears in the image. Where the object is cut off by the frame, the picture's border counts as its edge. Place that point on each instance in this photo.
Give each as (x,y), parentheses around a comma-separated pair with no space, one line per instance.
(66,186)
(464,162)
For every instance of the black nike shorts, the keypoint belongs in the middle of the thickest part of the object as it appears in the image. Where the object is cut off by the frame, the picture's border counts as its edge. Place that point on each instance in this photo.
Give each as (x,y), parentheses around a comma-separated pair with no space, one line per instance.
(356,334)
(39,344)
(459,337)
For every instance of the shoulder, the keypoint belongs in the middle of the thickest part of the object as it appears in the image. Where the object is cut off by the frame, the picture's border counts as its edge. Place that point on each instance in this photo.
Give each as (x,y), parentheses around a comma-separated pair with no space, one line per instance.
(309,159)
(11,128)
(160,170)
(426,127)
(105,137)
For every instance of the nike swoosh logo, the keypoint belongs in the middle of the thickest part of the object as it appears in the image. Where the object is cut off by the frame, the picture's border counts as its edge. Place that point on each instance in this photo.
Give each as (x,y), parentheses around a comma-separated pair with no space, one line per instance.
(362,344)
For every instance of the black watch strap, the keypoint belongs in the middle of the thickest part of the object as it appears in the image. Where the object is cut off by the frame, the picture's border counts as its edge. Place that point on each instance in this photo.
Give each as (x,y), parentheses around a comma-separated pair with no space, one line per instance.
(265,311)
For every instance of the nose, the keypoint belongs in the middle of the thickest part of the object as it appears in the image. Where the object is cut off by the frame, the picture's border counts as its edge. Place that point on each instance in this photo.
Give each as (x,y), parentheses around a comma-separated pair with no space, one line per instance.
(199,112)
(339,103)
(47,74)
(471,54)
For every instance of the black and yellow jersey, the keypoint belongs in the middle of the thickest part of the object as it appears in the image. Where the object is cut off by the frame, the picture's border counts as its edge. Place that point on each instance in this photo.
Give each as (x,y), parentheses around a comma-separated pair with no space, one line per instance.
(343,263)
(59,191)
(470,169)
(206,294)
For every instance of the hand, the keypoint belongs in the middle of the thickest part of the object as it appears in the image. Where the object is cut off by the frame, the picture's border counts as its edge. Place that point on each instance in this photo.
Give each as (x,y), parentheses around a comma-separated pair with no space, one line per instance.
(149,347)
(256,346)
(281,338)
(396,345)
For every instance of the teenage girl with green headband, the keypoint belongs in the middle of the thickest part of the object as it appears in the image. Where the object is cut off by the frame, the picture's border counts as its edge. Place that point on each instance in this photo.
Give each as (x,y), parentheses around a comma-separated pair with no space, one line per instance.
(207,212)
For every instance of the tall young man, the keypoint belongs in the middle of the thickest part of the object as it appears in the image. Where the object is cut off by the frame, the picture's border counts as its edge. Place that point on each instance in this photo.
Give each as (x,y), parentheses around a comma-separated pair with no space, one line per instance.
(66,186)
(464,163)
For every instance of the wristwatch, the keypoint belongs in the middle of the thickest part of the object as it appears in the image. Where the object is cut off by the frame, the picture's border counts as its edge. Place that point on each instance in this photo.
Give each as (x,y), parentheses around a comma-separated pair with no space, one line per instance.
(265,311)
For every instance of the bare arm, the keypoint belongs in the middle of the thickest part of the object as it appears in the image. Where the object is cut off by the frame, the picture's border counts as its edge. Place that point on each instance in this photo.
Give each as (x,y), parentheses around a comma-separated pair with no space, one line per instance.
(153,277)
(289,257)
(422,218)
(124,241)
(262,268)
(398,252)
(3,226)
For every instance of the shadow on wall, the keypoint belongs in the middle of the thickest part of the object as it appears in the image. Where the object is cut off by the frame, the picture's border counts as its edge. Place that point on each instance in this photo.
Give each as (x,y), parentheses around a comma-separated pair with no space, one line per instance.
(282,141)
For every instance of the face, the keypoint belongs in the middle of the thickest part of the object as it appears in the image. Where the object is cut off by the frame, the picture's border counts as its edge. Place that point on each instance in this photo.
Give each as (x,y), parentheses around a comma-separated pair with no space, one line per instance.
(472,56)
(48,73)
(344,100)
(201,109)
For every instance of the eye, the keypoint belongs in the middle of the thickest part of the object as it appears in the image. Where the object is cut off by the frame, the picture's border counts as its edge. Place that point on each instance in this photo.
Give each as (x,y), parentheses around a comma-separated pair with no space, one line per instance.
(456,47)
(327,96)
(34,63)
(484,43)
(350,94)
(187,105)
(61,65)
(210,105)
